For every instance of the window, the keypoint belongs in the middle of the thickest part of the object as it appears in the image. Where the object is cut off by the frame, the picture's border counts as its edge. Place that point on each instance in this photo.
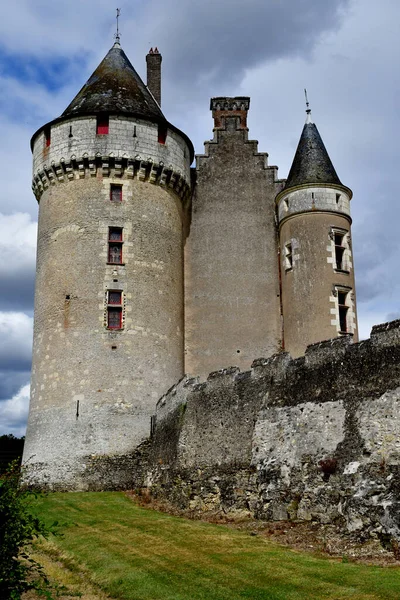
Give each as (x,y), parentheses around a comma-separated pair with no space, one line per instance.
(115,245)
(162,133)
(286,204)
(288,257)
(47,136)
(337,198)
(115,193)
(114,310)
(343,308)
(339,250)
(102,125)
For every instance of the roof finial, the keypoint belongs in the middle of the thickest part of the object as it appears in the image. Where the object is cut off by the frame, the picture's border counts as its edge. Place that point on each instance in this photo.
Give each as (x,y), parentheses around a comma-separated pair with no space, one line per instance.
(308,109)
(117,38)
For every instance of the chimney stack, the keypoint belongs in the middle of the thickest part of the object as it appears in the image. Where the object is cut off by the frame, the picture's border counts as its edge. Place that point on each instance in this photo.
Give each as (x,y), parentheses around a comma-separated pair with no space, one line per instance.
(232,110)
(153,60)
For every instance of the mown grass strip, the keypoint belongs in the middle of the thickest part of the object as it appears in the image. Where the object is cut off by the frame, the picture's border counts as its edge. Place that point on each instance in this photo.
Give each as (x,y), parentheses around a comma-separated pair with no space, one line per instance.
(134,553)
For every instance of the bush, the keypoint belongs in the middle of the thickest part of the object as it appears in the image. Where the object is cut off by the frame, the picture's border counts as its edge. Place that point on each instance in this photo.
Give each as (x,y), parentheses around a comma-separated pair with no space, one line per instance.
(18,529)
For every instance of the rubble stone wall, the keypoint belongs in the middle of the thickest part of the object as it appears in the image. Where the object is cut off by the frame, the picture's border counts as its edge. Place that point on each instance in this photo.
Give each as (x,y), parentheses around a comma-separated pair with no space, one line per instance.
(316,438)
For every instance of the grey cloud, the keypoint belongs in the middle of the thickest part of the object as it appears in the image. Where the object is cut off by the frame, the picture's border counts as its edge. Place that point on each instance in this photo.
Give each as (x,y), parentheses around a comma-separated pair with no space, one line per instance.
(15,341)
(216,42)
(11,382)
(17,264)
(17,289)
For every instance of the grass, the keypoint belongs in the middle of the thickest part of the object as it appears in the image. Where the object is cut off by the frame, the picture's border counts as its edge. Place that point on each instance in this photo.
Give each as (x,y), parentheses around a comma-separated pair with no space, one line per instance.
(134,553)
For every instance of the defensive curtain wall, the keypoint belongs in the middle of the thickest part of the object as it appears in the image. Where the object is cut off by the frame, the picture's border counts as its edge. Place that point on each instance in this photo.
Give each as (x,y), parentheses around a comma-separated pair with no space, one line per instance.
(315,438)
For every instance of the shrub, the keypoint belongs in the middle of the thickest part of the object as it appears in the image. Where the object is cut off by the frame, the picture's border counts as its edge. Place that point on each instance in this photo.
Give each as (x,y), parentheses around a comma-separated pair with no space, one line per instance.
(18,529)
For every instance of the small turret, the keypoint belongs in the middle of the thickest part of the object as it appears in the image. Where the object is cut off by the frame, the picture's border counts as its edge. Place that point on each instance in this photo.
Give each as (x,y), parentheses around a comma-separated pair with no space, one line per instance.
(318,290)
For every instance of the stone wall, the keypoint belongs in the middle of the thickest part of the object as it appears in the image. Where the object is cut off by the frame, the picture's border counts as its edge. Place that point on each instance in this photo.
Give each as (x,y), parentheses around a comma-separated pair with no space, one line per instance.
(232,298)
(316,438)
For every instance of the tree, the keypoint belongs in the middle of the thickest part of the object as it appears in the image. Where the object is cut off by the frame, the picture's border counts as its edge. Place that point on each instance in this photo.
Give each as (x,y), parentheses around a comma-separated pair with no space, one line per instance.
(11,449)
(18,529)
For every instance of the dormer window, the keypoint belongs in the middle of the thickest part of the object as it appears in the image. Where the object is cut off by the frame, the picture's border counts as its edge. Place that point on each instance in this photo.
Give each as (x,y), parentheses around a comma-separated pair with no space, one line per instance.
(102,125)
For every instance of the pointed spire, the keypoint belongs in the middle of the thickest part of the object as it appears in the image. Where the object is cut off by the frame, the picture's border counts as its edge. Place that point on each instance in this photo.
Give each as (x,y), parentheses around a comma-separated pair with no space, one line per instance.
(115,88)
(311,163)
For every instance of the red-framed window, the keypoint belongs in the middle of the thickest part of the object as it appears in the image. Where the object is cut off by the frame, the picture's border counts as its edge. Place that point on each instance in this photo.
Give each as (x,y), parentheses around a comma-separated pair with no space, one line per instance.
(114,317)
(115,192)
(115,245)
(102,124)
(114,309)
(162,133)
(47,136)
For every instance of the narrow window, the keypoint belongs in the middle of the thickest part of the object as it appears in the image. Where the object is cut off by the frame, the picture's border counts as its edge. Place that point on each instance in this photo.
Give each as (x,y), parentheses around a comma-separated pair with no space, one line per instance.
(115,193)
(114,310)
(102,125)
(115,245)
(288,257)
(343,308)
(339,250)
(114,317)
(337,198)
(162,133)
(286,204)
(47,136)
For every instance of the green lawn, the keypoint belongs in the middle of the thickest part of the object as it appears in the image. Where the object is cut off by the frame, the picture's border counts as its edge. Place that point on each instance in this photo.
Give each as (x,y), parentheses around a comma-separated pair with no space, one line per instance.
(135,553)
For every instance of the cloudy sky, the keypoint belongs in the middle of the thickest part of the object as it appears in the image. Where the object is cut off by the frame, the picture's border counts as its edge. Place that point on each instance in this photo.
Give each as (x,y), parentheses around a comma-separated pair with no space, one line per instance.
(346,52)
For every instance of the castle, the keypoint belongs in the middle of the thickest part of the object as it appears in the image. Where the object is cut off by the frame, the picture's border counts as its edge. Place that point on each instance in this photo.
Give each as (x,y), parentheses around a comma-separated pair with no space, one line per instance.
(148,269)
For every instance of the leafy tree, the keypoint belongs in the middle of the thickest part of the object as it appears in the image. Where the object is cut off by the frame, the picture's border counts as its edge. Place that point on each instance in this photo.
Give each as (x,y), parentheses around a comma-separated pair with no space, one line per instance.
(18,529)
(11,449)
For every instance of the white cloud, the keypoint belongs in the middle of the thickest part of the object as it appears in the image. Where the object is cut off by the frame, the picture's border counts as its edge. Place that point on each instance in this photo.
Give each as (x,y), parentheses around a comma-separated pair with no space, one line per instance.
(15,340)
(17,242)
(14,413)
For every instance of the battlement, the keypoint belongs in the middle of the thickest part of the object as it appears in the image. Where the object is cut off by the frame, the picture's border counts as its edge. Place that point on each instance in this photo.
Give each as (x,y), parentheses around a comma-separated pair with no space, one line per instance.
(130,144)
(331,369)
(124,167)
(313,438)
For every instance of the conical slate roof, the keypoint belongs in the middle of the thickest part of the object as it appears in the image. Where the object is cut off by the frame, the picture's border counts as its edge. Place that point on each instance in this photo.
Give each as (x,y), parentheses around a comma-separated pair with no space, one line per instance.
(311,163)
(115,87)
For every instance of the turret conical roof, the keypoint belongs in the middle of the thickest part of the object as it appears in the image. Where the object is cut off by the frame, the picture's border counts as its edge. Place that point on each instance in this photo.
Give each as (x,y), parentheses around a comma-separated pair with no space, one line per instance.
(115,87)
(311,163)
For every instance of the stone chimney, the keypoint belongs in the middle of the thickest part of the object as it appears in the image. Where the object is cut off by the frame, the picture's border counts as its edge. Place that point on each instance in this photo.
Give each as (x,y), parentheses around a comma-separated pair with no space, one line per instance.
(233,109)
(153,60)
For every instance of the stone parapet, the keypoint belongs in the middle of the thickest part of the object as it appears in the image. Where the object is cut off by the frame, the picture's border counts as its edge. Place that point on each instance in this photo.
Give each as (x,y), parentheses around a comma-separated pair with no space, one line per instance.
(128,139)
(313,198)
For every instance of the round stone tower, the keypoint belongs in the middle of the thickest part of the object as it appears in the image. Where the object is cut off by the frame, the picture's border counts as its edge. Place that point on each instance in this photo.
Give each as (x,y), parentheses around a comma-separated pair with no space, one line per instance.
(112,178)
(316,263)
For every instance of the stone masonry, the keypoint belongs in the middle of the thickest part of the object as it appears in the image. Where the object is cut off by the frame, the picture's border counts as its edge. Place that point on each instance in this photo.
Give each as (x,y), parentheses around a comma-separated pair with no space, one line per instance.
(314,439)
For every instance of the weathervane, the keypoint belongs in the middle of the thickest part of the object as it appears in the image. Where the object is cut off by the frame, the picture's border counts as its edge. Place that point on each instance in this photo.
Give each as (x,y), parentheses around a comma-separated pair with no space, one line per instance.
(308,109)
(117,39)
